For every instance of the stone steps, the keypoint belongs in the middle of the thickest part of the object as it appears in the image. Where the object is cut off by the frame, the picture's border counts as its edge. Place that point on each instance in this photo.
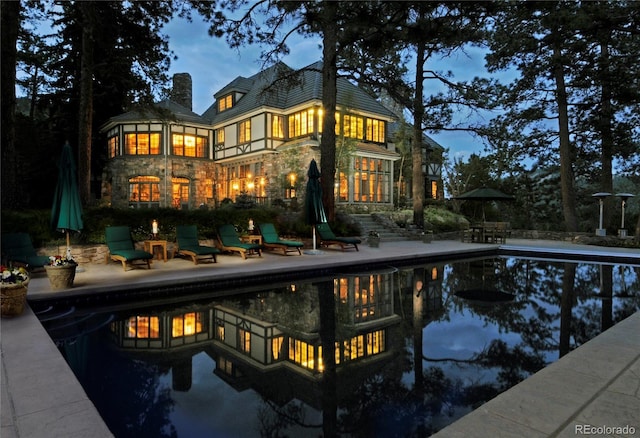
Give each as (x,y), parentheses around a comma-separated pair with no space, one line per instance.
(387,231)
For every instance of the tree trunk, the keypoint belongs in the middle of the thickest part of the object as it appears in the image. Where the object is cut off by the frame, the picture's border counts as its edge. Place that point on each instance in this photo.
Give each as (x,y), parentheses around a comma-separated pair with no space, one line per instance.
(85,116)
(10,22)
(606,134)
(416,144)
(329,97)
(566,155)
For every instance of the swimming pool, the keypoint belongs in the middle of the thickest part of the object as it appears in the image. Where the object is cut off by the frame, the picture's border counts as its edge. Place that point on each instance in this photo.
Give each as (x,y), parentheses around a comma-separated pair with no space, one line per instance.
(401,351)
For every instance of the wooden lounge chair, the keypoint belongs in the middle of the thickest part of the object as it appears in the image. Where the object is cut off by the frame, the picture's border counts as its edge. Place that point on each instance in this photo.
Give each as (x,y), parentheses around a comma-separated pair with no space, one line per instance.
(271,240)
(122,248)
(17,248)
(189,245)
(327,238)
(229,241)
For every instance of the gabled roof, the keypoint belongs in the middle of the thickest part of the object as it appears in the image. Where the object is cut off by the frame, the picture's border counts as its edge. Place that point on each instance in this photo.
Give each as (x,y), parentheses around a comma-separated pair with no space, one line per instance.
(394,127)
(261,90)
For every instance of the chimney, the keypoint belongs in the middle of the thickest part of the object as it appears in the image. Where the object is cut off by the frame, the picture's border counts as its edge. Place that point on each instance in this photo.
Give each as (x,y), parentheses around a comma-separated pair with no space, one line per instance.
(182,92)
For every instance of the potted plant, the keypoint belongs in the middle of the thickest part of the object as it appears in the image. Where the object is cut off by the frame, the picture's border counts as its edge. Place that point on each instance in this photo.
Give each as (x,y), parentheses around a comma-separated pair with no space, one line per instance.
(61,271)
(374,239)
(13,290)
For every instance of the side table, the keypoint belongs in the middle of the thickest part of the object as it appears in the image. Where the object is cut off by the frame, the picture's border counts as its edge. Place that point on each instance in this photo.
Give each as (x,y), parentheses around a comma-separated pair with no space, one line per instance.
(251,238)
(151,245)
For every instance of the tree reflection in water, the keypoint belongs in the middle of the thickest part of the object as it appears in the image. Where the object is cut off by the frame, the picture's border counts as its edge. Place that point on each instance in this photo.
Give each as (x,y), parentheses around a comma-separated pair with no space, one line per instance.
(394,353)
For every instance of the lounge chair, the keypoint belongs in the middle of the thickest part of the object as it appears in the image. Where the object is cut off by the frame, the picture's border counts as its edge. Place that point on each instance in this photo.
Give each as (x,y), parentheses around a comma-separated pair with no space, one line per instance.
(229,241)
(271,240)
(17,248)
(122,248)
(189,245)
(327,238)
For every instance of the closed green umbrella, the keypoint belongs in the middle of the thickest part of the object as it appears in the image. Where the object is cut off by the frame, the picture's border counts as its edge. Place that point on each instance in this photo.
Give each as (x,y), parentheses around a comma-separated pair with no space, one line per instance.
(313,207)
(66,213)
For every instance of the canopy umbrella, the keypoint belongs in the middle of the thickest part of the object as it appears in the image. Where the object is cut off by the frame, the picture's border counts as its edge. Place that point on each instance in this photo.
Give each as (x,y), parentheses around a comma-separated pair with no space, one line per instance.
(484,194)
(66,213)
(313,207)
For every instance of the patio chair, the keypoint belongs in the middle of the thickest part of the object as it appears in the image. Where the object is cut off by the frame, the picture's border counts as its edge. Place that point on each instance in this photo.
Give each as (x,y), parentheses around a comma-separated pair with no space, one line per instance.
(271,240)
(122,248)
(230,241)
(327,238)
(17,248)
(189,245)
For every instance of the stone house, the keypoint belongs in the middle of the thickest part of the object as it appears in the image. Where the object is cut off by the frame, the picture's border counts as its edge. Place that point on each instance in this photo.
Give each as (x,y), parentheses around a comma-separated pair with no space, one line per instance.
(256,139)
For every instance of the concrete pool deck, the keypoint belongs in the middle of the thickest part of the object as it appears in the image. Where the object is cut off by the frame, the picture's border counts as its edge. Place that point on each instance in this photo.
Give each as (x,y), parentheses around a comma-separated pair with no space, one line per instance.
(595,386)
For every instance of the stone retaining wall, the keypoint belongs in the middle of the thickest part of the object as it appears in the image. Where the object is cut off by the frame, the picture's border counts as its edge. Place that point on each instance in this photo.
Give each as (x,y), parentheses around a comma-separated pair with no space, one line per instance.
(522,234)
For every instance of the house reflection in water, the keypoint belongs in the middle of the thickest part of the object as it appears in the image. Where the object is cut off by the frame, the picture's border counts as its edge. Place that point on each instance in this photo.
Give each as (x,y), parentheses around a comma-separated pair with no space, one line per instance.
(271,341)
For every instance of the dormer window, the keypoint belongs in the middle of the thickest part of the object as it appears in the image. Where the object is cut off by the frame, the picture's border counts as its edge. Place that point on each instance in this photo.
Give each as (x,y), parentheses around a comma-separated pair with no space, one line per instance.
(225,103)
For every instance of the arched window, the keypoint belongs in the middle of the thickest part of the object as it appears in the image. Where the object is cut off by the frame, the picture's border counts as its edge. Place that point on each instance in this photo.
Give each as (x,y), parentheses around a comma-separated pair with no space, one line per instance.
(144,192)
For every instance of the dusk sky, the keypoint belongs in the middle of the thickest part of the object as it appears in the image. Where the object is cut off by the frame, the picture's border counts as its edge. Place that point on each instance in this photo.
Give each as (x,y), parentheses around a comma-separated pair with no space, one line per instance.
(212,65)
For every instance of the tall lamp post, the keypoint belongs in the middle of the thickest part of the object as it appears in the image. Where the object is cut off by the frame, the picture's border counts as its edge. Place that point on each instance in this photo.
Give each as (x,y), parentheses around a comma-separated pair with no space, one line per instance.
(623,196)
(601,197)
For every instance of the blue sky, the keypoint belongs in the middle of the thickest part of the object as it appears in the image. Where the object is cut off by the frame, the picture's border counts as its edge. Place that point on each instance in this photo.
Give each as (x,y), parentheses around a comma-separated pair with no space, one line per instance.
(212,65)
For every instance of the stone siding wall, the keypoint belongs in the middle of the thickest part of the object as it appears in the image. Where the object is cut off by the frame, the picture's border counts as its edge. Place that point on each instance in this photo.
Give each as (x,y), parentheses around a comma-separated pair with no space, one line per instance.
(115,190)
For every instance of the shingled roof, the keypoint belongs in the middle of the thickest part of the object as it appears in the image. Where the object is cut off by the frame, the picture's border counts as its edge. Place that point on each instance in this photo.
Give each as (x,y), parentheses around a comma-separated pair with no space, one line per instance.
(261,90)
(166,110)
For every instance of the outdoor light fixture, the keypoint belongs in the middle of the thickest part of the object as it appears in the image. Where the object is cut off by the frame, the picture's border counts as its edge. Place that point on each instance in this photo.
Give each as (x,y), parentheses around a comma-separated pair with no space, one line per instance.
(154,229)
(601,197)
(623,196)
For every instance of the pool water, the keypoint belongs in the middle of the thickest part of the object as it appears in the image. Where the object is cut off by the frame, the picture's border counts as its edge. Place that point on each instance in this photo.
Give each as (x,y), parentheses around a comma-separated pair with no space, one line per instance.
(397,352)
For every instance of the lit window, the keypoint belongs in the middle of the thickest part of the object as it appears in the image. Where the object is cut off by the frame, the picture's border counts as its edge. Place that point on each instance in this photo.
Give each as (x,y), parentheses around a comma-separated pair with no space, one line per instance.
(142,144)
(353,126)
(375,343)
(189,145)
(143,327)
(301,123)
(220,136)
(276,347)
(375,130)
(187,324)
(244,339)
(180,193)
(302,353)
(277,127)
(225,103)
(144,192)
(244,134)
(112,145)
(372,183)
(220,333)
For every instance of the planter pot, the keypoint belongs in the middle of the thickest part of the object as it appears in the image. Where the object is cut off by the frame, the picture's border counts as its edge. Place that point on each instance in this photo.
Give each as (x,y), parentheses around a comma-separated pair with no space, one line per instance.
(13,297)
(61,277)
(374,242)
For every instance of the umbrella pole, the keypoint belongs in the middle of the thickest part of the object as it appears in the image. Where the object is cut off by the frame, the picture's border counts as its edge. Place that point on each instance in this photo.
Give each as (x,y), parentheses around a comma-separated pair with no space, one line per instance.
(68,244)
(314,237)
